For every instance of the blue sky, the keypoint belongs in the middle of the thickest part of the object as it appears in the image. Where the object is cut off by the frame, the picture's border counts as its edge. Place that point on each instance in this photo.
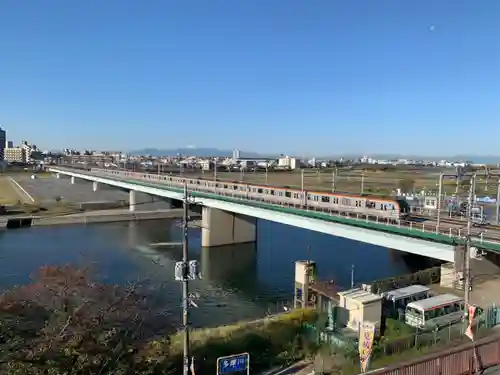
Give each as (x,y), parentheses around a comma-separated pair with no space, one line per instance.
(315,77)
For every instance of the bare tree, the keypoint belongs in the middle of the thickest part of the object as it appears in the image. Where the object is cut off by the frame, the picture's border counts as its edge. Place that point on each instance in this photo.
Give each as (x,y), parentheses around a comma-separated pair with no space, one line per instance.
(63,323)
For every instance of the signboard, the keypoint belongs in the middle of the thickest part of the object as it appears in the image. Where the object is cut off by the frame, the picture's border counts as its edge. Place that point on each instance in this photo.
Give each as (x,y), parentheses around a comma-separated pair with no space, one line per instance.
(366,337)
(236,363)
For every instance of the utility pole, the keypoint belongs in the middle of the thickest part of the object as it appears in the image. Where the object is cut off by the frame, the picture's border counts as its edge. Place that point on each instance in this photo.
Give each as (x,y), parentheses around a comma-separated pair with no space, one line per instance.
(215,170)
(302,180)
(186,270)
(440,194)
(467,275)
(185,286)
(362,183)
(352,276)
(333,181)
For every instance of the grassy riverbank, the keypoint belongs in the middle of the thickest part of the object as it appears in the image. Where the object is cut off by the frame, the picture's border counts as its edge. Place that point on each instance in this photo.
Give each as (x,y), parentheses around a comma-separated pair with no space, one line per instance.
(63,323)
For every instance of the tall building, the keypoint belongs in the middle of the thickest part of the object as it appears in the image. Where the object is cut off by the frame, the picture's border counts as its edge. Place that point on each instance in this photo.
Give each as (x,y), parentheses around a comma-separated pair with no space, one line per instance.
(236,154)
(9,144)
(3,140)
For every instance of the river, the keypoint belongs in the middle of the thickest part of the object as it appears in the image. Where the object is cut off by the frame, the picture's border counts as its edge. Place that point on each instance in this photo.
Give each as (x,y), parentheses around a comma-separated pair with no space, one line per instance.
(239,282)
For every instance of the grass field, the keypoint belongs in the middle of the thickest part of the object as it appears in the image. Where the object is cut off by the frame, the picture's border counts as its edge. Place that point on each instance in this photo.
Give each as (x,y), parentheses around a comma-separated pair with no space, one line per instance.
(8,194)
(354,181)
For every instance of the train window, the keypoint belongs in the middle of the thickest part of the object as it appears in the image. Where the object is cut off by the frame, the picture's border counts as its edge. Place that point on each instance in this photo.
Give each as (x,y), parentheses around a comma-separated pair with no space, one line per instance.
(288,194)
(346,202)
(325,199)
(260,191)
(271,192)
(235,187)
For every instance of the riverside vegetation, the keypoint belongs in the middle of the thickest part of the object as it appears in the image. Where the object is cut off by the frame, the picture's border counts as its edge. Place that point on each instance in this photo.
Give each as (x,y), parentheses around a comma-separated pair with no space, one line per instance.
(65,323)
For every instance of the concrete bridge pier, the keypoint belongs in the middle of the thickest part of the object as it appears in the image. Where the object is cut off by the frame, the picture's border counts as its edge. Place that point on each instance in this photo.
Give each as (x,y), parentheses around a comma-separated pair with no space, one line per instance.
(221,228)
(131,200)
(72,179)
(452,274)
(95,186)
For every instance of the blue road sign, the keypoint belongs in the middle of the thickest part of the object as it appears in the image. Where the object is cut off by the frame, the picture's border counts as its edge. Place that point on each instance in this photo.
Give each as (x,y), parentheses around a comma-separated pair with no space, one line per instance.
(233,363)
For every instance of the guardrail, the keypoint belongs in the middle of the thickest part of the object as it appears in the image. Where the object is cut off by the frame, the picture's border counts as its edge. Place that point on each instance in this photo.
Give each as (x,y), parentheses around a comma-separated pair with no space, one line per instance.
(479,236)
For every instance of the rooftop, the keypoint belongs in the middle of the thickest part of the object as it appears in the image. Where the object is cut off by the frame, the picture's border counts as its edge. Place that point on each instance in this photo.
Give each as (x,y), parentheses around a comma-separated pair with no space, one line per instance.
(360,295)
(404,292)
(436,301)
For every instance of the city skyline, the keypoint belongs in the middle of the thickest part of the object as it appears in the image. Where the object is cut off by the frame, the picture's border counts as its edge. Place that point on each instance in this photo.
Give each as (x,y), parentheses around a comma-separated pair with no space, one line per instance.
(334,78)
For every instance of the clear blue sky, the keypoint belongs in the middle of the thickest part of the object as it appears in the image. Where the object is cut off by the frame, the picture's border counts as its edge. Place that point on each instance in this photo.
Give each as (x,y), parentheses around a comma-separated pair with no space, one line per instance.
(314,77)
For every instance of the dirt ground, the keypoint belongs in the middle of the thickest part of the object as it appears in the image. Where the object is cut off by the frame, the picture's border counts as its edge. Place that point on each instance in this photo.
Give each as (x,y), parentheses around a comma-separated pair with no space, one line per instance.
(484,294)
(8,194)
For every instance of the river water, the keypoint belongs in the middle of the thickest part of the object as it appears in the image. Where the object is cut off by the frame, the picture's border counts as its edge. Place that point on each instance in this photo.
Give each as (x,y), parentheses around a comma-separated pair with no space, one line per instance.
(239,282)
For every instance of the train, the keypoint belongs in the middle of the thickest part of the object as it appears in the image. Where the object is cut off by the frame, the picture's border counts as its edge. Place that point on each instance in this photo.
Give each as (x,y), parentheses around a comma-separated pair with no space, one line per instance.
(392,210)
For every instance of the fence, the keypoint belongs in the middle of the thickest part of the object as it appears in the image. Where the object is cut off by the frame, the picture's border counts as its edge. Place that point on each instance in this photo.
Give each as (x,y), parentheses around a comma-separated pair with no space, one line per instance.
(461,360)
(388,351)
(453,334)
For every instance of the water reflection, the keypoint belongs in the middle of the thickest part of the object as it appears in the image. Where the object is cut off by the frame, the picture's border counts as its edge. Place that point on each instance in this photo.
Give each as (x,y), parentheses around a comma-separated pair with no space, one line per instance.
(239,282)
(227,264)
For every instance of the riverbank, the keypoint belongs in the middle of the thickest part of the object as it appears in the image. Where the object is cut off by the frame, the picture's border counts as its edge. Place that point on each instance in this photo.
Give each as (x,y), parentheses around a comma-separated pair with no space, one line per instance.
(90,217)
(121,328)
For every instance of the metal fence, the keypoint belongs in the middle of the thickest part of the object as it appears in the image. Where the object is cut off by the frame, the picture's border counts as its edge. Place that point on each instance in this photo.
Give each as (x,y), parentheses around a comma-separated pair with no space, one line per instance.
(464,359)
(418,343)
(451,334)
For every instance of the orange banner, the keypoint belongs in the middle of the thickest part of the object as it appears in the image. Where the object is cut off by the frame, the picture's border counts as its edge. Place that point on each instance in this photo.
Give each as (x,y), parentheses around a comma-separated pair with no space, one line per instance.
(366,337)
(472,312)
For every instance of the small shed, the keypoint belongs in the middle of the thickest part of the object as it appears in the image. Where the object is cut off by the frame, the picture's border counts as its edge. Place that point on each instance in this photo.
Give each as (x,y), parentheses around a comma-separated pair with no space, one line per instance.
(357,306)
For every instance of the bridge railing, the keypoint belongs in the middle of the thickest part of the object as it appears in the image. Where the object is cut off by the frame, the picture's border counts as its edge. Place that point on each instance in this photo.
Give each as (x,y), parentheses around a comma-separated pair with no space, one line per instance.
(409,225)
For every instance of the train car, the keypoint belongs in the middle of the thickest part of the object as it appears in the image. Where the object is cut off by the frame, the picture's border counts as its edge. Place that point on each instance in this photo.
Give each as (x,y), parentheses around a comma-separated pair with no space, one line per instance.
(348,204)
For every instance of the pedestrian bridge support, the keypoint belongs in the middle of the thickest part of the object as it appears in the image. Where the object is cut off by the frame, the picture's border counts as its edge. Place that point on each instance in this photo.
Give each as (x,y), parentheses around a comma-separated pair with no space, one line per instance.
(221,228)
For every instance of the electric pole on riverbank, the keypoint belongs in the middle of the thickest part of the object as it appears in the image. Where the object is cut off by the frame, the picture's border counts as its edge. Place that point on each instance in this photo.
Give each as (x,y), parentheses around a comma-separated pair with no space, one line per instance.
(186,270)
(467,273)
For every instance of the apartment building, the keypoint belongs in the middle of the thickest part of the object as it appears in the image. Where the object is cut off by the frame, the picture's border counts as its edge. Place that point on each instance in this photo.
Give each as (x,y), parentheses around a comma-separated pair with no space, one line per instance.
(15,155)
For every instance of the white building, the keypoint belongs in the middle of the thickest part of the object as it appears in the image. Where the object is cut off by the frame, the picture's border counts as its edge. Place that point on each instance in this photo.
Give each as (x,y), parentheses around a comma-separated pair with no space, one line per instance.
(288,162)
(236,154)
(15,155)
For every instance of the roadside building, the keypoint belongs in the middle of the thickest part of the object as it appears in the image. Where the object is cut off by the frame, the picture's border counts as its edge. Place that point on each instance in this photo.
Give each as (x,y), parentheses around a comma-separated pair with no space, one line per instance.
(15,155)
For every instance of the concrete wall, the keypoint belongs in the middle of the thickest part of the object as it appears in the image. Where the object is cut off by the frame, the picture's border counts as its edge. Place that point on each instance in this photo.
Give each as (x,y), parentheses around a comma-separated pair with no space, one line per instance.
(221,228)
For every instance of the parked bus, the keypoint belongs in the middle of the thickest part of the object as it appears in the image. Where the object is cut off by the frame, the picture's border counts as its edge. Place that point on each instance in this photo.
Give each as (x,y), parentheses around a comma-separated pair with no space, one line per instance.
(395,301)
(434,312)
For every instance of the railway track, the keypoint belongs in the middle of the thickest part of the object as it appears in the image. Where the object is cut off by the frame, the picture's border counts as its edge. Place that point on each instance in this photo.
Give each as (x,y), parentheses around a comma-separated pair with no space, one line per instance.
(456,221)
(448,226)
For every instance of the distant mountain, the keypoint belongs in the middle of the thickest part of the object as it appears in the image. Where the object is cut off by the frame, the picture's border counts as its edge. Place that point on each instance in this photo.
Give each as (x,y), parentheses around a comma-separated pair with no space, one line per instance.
(192,151)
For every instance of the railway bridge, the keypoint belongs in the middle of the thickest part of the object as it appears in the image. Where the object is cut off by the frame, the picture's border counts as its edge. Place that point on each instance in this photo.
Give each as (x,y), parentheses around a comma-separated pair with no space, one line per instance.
(228,219)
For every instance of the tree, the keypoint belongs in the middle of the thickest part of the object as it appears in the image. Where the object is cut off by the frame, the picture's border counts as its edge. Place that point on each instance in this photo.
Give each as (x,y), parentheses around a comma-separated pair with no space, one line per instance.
(37,155)
(407,185)
(63,323)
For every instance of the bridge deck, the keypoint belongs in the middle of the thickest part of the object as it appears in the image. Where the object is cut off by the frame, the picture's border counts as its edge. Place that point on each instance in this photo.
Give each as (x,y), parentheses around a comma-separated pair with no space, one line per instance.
(446,233)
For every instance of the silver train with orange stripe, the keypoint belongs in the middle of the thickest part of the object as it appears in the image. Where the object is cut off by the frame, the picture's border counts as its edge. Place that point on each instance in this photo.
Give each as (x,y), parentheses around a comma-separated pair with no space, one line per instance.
(354,205)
